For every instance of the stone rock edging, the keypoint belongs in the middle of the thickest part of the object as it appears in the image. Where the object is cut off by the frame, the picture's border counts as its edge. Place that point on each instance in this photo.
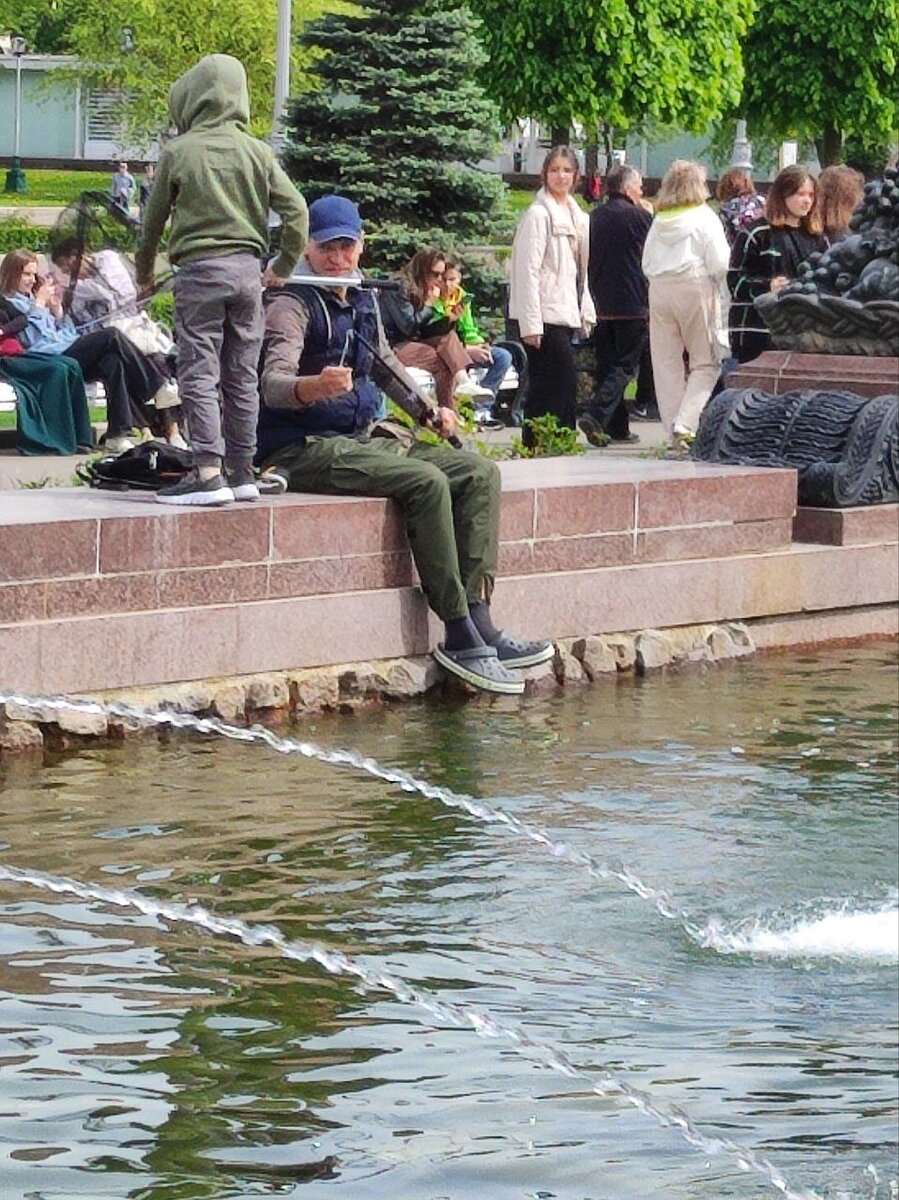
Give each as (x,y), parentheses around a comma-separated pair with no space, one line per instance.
(283,694)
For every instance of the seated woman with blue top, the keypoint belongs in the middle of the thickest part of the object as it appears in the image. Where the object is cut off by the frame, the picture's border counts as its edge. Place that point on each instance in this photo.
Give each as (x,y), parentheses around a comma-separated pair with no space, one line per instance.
(129,378)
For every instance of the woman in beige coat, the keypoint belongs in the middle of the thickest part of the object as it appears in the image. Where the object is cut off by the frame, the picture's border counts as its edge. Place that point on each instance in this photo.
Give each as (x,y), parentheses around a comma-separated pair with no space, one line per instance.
(685,259)
(548,294)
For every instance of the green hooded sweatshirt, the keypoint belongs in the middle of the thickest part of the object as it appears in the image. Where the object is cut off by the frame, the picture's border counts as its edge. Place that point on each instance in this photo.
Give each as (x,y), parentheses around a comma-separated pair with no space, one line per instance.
(216,181)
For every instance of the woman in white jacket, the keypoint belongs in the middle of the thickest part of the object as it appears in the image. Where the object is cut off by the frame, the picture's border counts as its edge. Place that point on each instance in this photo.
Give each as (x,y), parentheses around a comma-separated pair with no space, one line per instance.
(685,259)
(548,294)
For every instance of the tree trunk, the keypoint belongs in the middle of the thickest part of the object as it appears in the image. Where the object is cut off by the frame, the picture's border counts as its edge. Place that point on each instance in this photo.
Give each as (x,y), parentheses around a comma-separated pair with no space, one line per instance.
(559,135)
(591,156)
(829,146)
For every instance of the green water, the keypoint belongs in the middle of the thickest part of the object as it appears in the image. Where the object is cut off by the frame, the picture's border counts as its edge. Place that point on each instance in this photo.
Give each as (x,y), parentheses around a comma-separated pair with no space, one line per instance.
(140,1059)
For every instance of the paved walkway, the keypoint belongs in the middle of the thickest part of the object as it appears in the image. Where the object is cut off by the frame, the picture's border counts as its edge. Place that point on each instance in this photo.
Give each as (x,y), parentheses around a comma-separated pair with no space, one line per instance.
(18,470)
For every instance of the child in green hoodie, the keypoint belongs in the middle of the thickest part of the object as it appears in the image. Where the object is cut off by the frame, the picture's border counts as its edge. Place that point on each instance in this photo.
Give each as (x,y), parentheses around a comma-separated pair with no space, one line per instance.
(455,303)
(218,183)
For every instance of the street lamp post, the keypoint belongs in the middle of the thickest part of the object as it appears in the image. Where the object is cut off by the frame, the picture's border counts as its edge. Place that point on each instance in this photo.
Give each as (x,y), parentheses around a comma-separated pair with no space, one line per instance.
(15,176)
(282,71)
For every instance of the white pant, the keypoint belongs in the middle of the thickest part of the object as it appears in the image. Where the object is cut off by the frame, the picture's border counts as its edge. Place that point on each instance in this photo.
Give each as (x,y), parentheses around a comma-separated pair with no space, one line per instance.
(683,316)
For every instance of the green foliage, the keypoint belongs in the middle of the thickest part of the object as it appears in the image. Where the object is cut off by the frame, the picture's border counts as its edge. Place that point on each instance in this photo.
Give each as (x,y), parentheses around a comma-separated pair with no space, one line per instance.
(18,234)
(162,309)
(673,61)
(169,36)
(822,73)
(397,124)
(550,439)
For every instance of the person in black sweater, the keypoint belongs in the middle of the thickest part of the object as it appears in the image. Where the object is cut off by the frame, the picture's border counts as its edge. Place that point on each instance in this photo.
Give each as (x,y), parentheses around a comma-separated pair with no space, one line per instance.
(766,256)
(618,230)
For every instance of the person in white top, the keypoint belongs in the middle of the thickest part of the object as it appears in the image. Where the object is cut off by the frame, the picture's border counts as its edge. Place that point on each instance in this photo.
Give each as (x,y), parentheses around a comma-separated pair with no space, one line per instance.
(685,259)
(548,294)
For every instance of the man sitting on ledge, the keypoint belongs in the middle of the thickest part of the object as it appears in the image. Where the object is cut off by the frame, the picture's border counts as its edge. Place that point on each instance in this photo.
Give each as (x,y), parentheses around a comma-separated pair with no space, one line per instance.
(319,429)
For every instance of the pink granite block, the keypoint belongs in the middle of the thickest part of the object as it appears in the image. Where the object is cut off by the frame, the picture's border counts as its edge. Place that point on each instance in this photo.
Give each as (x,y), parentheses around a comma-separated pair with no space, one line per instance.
(216,585)
(601,508)
(328,526)
(516,558)
(138,649)
(846,576)
(110,594)
(516,522)
(354,573)
(317,630)
(712,541)
(750,496)
(185,538)
(22,602)
(847,526)
(582,553)
(48,551)
(20,658)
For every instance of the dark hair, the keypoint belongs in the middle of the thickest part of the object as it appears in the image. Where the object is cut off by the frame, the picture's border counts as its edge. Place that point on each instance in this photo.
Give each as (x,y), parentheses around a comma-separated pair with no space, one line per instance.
(787,183)
(735,182)
(620,178)
(840,191)
(417,271)
(14,263)
(67,247)
(566,153)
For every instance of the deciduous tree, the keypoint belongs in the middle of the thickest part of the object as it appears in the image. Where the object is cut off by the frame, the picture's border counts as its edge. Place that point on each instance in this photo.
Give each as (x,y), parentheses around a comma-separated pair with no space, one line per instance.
(824,72)
(623,62)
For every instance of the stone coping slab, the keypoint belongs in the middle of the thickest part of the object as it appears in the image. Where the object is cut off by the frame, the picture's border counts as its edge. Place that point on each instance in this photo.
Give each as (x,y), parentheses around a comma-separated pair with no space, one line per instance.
(777,371)
(847,526)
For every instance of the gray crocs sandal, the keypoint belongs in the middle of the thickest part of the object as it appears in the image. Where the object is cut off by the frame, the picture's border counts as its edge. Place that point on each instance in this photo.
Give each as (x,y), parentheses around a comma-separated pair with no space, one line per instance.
(517,652)
(481,668)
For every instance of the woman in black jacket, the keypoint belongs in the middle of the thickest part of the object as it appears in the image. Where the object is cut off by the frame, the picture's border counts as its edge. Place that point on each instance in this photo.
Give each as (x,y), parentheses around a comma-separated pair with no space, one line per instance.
(766,256)
(423,336)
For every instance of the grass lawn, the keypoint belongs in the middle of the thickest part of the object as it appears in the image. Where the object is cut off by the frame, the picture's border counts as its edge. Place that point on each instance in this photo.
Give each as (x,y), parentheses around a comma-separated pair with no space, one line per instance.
(97,415)
(51,188)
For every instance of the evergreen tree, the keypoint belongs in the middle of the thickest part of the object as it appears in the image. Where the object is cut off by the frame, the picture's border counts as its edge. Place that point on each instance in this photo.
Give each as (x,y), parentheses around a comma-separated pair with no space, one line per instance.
(397,124)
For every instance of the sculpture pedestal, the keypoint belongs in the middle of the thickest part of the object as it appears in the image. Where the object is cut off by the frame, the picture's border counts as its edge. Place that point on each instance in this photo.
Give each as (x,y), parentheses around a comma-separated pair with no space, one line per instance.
(778,371)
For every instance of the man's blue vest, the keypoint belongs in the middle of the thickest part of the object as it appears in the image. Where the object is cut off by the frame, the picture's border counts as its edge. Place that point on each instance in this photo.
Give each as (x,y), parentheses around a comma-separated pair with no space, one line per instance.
(326,344)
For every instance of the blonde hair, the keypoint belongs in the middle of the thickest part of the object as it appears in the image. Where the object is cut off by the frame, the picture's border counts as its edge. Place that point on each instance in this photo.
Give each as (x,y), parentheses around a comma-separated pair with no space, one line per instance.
(683,184)
(840,191)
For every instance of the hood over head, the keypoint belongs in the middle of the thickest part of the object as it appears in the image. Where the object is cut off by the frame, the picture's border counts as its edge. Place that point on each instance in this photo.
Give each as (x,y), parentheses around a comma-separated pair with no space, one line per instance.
(211,93)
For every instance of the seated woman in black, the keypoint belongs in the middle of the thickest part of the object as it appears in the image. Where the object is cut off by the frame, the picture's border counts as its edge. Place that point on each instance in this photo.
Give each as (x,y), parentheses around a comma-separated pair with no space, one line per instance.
(766,256)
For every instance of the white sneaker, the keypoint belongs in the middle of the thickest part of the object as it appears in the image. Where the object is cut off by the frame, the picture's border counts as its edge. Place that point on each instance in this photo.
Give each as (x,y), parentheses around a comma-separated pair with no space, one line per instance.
(167,396)
(471,389)
(177,441)
(243,484)
(118,445)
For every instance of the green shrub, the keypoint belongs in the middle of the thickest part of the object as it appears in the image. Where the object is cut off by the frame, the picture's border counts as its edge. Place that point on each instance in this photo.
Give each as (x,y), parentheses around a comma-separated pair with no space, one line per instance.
(18,234)
(550,439)
(162,309)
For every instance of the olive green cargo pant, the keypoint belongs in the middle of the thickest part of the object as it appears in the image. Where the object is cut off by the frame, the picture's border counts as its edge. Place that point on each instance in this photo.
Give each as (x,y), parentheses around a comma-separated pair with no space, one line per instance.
(450,501)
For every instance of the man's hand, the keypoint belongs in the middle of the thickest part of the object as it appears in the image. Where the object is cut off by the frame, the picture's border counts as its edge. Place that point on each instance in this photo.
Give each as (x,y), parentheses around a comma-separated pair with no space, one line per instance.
(270,279)
(334,381)
(480,355)
(778,283)
(447,422)
(533,340)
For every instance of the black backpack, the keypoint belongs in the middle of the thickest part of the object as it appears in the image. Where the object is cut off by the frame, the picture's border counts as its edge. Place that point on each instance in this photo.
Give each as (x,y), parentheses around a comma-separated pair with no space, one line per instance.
(147,467)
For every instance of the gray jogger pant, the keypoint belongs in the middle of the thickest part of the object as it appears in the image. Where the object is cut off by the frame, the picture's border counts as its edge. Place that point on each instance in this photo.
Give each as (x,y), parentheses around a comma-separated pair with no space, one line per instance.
(218,325)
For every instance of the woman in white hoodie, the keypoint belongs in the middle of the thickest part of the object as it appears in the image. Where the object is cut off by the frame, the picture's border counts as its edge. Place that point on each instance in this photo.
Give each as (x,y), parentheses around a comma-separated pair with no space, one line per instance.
(685,259)
(548,293)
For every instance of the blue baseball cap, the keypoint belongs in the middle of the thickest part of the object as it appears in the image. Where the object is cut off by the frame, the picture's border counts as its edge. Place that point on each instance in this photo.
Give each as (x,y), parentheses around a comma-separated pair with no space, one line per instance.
(333,217)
